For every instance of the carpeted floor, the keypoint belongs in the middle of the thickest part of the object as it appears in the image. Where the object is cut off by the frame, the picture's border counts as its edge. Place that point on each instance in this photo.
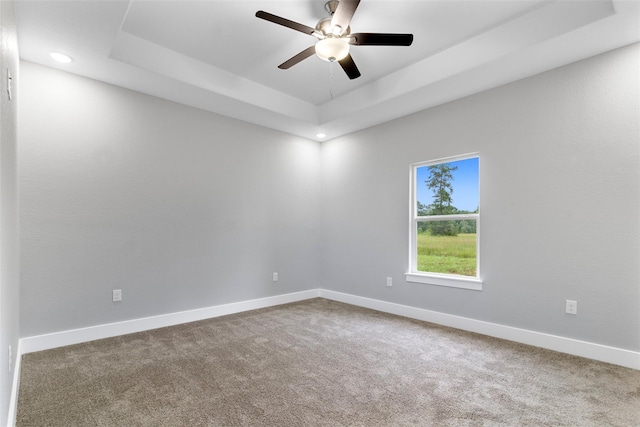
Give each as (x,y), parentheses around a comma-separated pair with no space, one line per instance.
(320,363)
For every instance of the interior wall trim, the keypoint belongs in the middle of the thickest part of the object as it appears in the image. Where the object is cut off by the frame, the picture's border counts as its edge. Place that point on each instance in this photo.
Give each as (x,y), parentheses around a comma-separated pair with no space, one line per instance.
(15,389)
(603,353)
(616,356)
(91,333)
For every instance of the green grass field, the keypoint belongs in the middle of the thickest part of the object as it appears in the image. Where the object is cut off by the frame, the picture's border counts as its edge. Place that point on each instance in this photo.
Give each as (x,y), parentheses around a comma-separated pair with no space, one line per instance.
(447,254)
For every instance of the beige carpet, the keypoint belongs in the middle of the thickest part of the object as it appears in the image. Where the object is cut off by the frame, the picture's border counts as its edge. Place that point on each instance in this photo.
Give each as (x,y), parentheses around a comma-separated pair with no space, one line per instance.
(320,363)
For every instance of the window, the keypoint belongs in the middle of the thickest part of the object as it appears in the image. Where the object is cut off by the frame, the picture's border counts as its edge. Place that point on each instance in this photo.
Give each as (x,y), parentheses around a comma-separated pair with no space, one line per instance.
(445,223)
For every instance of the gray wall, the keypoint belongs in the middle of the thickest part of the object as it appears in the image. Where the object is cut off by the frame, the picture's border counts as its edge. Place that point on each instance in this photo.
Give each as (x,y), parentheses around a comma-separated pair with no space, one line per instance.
(9,284)
(178,207)
(185,209)
(559,160)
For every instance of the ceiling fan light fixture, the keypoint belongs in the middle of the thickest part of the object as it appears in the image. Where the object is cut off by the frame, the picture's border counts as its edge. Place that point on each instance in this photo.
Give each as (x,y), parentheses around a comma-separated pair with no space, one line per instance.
(332,49)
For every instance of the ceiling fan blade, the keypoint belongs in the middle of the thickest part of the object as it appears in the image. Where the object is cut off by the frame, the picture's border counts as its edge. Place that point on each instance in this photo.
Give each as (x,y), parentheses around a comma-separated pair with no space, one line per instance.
(299,57)
(381,39)
(349,67)
(285,22)
(344,12)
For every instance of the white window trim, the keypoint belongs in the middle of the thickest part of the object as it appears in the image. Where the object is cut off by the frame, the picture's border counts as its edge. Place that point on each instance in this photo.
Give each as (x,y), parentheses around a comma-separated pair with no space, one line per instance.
(449,280)
(438,279)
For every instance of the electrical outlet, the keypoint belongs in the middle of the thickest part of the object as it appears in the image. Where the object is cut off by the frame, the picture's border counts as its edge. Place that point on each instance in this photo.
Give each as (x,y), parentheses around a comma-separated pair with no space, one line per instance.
(275,276)
(117,295)
(389,281)
(571,307)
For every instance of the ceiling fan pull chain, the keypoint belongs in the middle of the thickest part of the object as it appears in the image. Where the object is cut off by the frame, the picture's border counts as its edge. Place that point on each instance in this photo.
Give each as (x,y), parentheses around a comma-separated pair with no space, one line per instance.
(331,80)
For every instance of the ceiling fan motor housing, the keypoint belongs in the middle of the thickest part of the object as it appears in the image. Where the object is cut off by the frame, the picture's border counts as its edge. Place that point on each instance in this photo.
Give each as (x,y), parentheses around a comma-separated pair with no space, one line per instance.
(324,26)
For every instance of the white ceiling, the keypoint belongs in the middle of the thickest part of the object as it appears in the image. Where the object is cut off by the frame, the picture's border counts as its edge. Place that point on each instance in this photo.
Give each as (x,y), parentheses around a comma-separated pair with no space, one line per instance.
(216,55)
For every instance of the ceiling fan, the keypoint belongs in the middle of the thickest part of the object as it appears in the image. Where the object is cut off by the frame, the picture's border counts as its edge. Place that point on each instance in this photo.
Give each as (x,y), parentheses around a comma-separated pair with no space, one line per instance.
(334,36)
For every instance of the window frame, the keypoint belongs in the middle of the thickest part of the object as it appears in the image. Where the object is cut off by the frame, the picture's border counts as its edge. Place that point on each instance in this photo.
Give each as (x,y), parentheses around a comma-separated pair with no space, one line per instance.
(440,279)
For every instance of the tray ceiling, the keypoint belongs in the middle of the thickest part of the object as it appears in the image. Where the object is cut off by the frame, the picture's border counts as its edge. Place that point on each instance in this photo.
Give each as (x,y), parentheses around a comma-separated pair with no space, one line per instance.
(216,55)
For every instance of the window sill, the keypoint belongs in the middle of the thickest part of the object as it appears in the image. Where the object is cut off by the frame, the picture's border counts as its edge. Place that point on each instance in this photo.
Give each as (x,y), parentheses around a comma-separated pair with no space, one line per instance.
(448,280)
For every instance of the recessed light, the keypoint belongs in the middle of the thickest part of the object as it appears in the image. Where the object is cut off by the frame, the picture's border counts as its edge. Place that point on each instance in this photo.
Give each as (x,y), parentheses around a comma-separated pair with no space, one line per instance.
(321,135)
(61,57)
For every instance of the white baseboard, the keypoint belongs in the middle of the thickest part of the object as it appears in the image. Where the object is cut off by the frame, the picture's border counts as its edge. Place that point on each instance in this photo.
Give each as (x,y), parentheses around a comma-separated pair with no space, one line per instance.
(616,356)
(15,388)
(76,336)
